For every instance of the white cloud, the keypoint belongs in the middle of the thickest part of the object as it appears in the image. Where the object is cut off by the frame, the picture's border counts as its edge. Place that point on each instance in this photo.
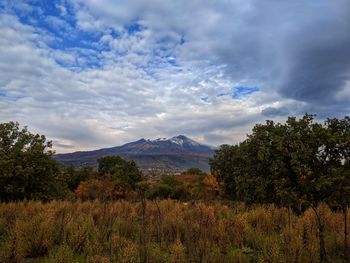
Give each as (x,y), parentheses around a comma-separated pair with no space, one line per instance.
(120,85)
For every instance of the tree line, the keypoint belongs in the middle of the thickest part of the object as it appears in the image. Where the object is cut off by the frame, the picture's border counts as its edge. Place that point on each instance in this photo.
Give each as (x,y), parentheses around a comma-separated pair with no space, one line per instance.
(30,172)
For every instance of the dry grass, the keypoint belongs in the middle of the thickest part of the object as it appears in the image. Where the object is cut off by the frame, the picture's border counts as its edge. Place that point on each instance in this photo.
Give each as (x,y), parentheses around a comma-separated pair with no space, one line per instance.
(62,231)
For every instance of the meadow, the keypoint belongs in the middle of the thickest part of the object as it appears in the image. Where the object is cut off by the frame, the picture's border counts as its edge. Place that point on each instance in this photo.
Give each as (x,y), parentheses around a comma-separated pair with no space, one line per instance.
(163,231)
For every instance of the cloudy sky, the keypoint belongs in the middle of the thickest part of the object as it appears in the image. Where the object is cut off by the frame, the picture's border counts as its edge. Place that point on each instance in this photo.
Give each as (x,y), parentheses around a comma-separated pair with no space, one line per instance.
(98,73)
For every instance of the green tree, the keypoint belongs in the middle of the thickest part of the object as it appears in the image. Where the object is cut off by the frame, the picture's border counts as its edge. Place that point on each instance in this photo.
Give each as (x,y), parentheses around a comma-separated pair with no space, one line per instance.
(159,190)
(303,165)
(297,164)
(124,173)
(225,166)
(168,187)
(73,176)
(28,170)
(340,134)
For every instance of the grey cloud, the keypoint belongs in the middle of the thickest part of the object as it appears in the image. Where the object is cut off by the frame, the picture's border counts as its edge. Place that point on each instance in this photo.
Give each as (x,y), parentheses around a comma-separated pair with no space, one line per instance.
(207,122)
(297,52)
(217,139)
(273,112)
(317,63)
(299,49)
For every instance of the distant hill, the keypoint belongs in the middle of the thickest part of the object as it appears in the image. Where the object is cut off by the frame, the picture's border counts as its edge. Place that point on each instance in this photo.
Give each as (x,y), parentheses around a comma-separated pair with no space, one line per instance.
(161,155)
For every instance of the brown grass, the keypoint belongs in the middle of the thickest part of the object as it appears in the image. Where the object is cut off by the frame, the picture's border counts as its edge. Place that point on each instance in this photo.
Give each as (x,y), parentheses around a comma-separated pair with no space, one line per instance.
(94,231)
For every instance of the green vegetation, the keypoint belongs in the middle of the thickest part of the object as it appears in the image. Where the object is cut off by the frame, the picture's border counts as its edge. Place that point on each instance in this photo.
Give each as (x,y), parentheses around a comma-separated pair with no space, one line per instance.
(124,173)
(282,195)
(27,169)
(185,187)
(298,165)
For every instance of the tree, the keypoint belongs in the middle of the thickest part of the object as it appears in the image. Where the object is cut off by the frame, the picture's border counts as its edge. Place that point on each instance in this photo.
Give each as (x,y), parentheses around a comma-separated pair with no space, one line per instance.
(122,172)
(102,189)
(225,166)
(303,164)
(340,134)
(168,187)
(297,164)
(159,190)
(73,176)
(28,170)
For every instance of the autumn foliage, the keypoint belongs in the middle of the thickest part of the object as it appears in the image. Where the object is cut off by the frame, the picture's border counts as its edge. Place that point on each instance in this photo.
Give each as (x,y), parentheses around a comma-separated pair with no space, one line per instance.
(102,189)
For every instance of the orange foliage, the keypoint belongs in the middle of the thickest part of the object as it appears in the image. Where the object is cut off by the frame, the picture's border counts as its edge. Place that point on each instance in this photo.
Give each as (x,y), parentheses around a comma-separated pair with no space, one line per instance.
(211,186)
(210,181)
(96,189)
(187,178)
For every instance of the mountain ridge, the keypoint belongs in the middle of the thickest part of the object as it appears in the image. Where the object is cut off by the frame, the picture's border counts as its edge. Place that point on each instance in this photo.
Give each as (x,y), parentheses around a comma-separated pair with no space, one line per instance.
(167,155)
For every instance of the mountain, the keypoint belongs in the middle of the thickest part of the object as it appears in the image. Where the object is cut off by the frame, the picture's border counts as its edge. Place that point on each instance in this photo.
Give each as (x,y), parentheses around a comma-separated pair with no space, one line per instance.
(161,155)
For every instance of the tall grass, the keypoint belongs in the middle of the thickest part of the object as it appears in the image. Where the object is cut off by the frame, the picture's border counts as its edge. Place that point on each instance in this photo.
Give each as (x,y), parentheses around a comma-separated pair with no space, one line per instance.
(61,231)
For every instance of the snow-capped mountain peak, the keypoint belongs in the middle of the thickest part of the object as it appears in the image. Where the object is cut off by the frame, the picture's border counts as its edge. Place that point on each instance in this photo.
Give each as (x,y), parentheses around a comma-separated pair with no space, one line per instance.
(178,143)
(181,140)
(161,139)
(178,151)
(177,140)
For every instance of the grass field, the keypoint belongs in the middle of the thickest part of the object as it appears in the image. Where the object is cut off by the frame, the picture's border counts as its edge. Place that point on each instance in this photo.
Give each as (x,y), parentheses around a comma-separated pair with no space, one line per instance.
(163,231)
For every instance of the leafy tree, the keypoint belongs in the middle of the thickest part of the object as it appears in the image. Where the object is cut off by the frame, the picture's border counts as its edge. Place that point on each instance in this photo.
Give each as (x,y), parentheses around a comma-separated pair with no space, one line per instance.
(168,187)
(102,189)
(164,188)
(340,134)
(28,170)
(169,180)
(159,190)
(303,165)
(122,172)
(74,176)
(293,164)
(225,166)
(178,188)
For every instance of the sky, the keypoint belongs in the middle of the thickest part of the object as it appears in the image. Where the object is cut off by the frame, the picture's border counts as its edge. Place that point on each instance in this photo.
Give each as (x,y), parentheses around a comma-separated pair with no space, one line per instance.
(99,73)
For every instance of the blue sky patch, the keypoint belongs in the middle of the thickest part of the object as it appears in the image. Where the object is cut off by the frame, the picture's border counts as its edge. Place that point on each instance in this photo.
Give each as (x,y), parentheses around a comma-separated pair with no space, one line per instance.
(5,96)
(182,40)
(205,98)
(242,91)
(239,92)
(134,28)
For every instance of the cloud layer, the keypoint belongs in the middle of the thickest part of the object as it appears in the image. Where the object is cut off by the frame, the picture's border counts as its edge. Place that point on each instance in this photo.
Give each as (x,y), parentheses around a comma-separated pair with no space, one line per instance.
(92,74)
